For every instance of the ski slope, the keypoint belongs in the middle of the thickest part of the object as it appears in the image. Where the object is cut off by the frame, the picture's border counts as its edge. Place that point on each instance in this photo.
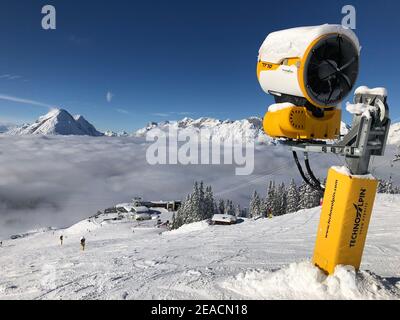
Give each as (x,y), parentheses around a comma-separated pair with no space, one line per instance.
(255,259)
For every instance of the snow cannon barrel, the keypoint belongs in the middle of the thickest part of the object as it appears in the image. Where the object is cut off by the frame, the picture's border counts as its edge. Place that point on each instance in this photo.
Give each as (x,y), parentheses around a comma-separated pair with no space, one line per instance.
(313,69)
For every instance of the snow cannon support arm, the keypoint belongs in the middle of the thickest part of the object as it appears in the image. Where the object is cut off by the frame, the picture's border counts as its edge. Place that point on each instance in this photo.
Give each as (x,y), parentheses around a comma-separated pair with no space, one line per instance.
(350,191)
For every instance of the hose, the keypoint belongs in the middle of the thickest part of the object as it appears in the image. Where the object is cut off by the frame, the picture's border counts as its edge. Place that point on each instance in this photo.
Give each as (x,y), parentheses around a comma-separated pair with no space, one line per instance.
(311,174)
(306,180)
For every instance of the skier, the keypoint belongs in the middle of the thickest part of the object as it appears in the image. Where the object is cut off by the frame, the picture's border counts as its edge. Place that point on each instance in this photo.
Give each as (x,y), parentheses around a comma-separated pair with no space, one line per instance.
(1,243)
(83,242)
(61,239)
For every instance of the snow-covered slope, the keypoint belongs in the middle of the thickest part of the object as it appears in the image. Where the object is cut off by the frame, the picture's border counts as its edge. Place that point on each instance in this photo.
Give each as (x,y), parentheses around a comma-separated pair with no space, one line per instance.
(263,259)
(86,126)
(57,122)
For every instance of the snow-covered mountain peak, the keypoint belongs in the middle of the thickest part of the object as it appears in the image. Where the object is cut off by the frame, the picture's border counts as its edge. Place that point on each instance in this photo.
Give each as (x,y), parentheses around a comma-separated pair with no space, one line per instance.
(246,129)
(57,122)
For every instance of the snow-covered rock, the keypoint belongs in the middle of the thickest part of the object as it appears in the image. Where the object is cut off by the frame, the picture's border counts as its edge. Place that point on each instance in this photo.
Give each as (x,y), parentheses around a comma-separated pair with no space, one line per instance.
(57,122)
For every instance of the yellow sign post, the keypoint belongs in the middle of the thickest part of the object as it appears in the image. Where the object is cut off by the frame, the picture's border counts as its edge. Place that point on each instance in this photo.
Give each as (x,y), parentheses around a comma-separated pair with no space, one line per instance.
(344,221)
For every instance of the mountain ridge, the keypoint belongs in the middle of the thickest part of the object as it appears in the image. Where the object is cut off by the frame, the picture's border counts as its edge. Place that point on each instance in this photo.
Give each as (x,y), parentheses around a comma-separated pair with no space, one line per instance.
(61,122)
(57,122)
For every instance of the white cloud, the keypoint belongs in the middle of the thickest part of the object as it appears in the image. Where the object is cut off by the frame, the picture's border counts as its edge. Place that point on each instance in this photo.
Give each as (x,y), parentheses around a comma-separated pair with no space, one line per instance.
(109,96)
(10,77)
(24,101)
(185,113)
(56,181)
(159,114)
(171,113)
(123,111)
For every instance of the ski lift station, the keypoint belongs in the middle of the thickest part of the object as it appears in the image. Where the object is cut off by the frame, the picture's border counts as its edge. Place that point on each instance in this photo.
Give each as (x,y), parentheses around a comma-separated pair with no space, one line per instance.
(145,210)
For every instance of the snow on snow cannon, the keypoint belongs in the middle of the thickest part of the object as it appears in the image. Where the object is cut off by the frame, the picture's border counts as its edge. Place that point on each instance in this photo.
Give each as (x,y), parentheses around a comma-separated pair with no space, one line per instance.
(309,71)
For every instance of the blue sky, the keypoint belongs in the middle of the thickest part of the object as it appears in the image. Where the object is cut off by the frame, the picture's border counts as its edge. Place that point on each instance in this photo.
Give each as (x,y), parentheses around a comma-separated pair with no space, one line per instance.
(163,60)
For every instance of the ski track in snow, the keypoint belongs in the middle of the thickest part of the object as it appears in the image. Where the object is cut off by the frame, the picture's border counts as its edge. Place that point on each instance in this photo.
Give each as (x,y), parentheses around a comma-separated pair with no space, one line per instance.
(263,259)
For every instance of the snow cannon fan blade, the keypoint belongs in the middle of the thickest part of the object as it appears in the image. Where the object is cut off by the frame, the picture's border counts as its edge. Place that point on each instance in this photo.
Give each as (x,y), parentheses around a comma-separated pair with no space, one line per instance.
(308,82)
(330,70)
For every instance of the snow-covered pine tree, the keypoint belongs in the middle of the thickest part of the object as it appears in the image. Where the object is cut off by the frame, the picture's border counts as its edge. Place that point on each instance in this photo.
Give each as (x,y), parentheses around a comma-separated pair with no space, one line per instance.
(199,205)
(293,198)
(256,206)
(202,203)
(181,215)
(269,201)
(229,208)
(238,211)
(262,212)
(195,214)
(276,201)
(304,192)
(253,204)
(317,195)
(310,201)
(281,199)
(208,203)
(216,209)
(221,206)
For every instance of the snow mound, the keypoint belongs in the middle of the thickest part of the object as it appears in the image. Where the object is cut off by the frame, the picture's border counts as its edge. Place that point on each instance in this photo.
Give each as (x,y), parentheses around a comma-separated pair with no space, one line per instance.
(82,227)
(57,122)
(188,228)
(280,106)
(346,171)
(304,281)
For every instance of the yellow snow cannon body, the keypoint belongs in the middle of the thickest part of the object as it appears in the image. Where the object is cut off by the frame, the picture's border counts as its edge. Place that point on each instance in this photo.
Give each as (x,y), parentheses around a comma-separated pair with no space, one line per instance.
(344,221)
(313,69)
(285,120)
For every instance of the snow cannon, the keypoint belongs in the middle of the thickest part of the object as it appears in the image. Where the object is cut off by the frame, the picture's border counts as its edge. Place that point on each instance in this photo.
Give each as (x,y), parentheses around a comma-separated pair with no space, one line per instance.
(309,71)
